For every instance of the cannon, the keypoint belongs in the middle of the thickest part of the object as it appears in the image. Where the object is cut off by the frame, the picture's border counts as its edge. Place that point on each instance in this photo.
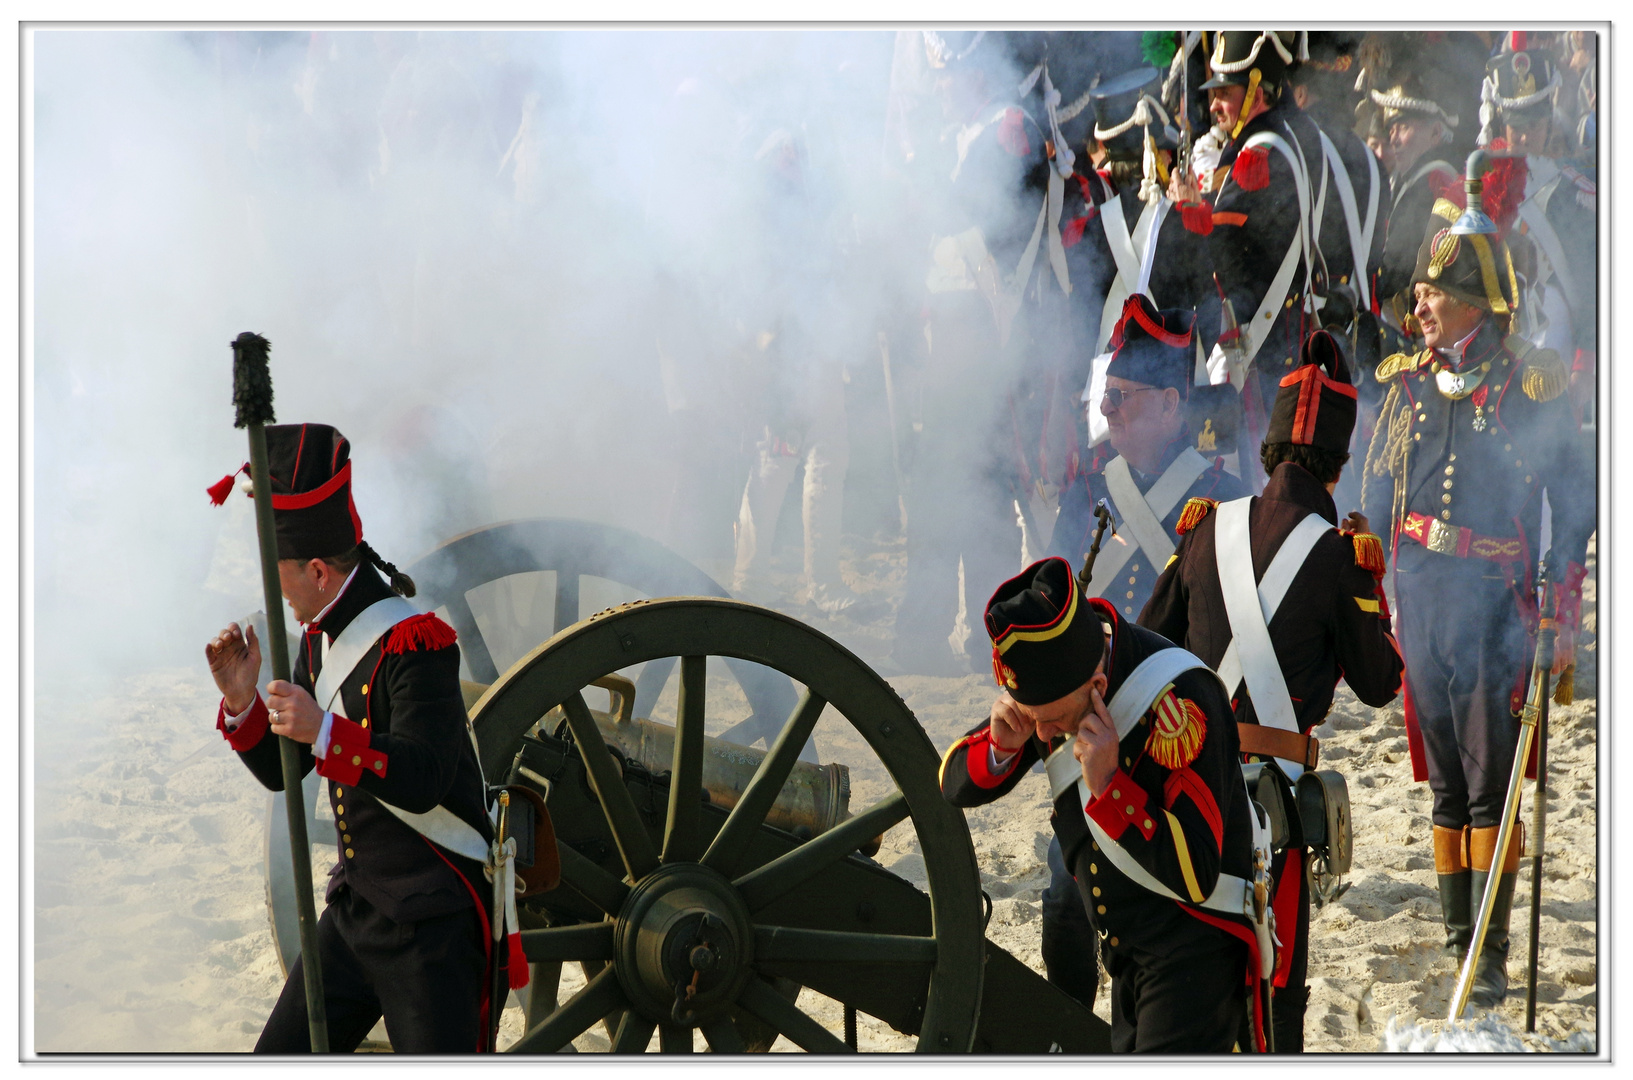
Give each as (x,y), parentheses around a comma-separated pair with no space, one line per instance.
(702,885)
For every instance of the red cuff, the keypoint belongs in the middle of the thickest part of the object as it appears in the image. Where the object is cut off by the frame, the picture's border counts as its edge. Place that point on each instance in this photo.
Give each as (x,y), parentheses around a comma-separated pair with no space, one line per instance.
(249,731)
(1122,804)
(349,753)
(976,749)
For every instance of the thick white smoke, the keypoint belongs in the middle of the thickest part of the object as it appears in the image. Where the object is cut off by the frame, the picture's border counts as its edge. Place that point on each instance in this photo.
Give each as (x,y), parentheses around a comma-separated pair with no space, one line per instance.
(524,272)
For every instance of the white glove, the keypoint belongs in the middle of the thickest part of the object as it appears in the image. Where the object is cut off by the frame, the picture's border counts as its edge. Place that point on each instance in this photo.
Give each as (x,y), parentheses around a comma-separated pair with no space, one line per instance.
(1226,367)
(1205,154)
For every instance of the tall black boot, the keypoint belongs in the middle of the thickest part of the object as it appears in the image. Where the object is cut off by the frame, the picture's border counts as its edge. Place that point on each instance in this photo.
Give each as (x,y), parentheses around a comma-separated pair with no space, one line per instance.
(1456,912)
(1491,970)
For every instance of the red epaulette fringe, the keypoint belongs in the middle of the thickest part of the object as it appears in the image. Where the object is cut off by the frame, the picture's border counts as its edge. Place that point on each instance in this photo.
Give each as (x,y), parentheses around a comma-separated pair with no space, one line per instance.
(1197,217)
(1252,169)
(1195,510)
(1369,554)
(419,632)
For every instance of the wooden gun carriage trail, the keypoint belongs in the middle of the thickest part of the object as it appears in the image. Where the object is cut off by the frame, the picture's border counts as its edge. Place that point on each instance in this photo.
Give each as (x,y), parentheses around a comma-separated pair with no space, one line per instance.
(703,882)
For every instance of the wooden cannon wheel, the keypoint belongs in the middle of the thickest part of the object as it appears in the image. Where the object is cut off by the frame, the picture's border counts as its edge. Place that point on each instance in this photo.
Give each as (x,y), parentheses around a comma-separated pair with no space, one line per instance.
(691,910)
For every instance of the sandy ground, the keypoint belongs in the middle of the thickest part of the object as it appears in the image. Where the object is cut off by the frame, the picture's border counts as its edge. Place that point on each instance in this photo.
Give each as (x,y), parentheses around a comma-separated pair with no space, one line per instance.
(151,934)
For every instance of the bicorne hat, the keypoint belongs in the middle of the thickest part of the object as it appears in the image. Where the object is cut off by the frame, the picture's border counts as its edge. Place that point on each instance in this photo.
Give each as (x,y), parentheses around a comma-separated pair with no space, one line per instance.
(1152,346)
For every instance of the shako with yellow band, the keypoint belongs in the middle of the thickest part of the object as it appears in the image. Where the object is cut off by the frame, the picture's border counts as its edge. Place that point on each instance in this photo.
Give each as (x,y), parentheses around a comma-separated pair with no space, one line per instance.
(1045,643)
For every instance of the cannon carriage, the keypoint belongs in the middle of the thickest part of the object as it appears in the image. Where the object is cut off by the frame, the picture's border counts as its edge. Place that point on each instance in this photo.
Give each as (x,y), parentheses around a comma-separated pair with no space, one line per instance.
(703,882)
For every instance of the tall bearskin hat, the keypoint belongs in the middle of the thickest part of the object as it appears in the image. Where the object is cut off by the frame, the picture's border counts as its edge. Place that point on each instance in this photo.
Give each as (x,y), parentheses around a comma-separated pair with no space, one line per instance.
(1520,84)
(1046,640)
(310,472)
(1252,58)
(1154,347)
(1475,269)
(1315,405)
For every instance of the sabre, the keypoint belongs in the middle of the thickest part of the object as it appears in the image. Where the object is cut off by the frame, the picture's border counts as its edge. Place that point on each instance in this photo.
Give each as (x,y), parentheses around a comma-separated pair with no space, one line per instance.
(1534,715)
(497,990)
(252,396)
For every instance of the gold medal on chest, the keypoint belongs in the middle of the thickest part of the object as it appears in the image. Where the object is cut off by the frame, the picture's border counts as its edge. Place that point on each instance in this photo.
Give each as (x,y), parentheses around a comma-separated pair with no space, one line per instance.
(1458,385)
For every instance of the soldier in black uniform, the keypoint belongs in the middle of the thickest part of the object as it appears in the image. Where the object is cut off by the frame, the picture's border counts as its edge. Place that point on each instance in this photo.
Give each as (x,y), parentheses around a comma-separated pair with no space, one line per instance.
(1150,447)
(404,934)
(1558,218)
(1332,622)
(1419,129)
(1473,432)
(1267,177)
(1150,807)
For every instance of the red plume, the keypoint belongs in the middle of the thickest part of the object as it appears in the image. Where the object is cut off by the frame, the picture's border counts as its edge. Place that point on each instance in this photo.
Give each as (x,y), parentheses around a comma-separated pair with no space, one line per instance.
(1504,188)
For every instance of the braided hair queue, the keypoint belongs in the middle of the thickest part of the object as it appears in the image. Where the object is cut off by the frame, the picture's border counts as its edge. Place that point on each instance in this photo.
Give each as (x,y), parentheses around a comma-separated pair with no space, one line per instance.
(401,583)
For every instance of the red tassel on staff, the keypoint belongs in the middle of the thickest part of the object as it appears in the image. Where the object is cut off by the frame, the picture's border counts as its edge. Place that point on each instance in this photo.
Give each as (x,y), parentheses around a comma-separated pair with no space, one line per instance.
(223,487)
(424,631)
(1252,169)
(1197,216)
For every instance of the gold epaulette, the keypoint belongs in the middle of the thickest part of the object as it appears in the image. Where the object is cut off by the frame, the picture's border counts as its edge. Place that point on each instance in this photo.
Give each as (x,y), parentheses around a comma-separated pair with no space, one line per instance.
(1195,510)
(1399,364)
(1369,553)
(1543,376)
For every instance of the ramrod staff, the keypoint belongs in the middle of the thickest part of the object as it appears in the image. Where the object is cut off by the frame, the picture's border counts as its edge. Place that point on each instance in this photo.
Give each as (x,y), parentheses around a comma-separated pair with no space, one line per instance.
(252,395)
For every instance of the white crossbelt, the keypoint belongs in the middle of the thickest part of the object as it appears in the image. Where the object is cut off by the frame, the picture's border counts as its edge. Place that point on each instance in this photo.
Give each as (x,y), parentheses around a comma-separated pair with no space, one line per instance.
(1360,235)
(1251,656)
(1231,894)
(1128,249)
(1258,327)
(350,646)
(1143,514)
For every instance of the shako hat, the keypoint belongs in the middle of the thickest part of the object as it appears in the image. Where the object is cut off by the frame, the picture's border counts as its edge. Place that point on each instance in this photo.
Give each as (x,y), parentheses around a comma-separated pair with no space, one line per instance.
(1152,346)
(1046,640)
(310,472)
(1520,83)
(1251,58)
(1474,268)
(1315,405)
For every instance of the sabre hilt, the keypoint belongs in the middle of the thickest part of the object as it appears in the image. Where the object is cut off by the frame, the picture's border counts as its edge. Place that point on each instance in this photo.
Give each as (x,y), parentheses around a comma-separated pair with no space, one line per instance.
(1102,514)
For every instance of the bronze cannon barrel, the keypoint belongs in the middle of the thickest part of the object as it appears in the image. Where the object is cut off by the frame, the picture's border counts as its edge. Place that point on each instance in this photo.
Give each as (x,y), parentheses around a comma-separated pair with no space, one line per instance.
(813,800)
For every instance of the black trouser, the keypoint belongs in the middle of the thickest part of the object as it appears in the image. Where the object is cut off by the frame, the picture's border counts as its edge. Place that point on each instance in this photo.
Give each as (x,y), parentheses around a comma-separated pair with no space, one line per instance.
(1071,948)
(1192,1003)
(1465,647)
(424,977)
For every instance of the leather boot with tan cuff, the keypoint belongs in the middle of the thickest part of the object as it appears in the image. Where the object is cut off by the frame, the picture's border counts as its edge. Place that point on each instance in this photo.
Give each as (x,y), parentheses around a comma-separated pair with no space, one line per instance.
(1452,872)
(1491,970)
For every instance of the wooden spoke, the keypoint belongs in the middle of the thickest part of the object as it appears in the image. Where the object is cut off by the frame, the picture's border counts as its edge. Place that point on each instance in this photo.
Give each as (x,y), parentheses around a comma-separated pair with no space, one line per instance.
(674,1040)
(787,943)
(654,677)
(600,997)
(746,817)
(591,882)
(775,878)
(628,831)
(762,1000)
(722,1037)
(590,941)
(634,1033)
(471,643)
(680,838)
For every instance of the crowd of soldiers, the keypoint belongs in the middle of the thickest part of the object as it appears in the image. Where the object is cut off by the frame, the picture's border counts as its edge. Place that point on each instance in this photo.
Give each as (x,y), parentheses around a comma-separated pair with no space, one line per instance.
(1281,292)
(1254,260)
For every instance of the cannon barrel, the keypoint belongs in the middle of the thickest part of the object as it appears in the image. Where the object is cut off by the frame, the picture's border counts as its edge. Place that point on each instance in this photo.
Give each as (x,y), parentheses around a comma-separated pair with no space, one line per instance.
(814,799)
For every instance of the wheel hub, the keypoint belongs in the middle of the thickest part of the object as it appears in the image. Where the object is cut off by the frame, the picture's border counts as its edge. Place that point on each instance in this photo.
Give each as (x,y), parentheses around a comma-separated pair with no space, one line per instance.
(683,945)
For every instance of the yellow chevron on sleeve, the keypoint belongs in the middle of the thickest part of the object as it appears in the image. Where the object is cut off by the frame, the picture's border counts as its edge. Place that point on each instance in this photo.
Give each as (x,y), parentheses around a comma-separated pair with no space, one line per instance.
(1184,853)
(1366,605)
(1171,560)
